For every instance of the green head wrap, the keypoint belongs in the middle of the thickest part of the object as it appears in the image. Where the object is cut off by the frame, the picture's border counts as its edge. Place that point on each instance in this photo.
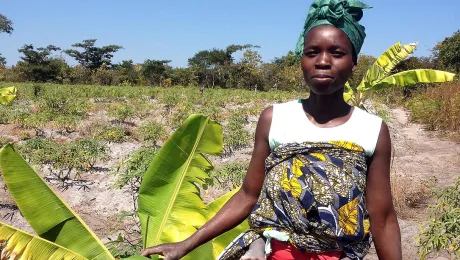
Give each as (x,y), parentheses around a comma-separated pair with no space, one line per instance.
(343,14)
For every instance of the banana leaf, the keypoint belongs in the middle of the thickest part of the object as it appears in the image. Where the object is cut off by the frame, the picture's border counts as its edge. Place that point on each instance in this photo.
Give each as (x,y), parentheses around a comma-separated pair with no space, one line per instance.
(170,207)
(7,95)
(222,241)
(411,77)
(348,94)
(50,217)
(20,245)
(383,66)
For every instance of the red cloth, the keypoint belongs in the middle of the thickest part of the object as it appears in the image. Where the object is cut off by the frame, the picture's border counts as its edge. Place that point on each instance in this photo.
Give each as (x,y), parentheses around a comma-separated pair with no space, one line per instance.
(284,251)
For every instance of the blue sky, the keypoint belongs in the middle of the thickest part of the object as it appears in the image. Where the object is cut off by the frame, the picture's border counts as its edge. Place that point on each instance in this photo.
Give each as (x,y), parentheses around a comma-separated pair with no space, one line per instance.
(176,30)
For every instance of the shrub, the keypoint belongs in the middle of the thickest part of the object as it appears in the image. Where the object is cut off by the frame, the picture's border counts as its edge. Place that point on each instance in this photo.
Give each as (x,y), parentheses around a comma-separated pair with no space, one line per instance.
(230,175)
(114,134)
(150,132)
(121,112)
(130,172)
(443,229)
(64,159)
(235,136)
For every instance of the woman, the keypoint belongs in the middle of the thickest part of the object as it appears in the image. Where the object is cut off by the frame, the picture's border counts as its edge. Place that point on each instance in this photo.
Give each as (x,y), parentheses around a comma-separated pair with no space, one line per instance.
(318,181)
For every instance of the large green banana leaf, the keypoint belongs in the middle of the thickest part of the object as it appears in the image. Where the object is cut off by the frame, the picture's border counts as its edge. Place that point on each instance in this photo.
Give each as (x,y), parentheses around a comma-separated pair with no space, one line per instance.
(50,217)
(7,95)
(20,245)
(170,208)
(383,66)
(411,77)
(222,241)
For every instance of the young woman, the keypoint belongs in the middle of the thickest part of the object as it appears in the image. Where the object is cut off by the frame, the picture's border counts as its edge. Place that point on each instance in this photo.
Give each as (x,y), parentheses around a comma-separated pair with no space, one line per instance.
(318,183)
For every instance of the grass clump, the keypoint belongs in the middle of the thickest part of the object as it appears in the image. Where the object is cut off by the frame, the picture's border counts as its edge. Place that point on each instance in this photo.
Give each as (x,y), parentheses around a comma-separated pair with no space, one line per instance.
(443,229)
(235,136)
(151,132)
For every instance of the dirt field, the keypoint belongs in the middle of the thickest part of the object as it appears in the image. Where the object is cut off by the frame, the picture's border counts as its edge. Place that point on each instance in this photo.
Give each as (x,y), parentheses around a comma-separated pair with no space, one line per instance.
(418,157)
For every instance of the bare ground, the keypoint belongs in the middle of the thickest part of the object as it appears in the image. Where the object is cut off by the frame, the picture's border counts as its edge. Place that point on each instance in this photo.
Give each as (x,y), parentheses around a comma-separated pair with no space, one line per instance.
(418,157)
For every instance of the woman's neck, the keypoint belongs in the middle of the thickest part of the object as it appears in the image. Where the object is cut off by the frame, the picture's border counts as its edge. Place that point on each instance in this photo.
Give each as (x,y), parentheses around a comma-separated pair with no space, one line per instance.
(324,108)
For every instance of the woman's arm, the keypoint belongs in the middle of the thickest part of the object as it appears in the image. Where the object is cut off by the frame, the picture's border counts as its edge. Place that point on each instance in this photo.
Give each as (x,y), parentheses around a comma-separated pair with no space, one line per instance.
(383,219)
(237,208)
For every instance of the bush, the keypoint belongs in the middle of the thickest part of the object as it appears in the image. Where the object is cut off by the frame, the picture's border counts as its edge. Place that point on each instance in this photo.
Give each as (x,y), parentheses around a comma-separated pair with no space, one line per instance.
(151,132)
(130,172)
(443,229)
(65,160)
(122,112)
(114,134)
(230,175)
(235,136)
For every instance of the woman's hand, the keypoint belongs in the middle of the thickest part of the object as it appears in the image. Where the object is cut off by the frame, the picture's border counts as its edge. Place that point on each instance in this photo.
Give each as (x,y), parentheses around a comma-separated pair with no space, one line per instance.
(171,251)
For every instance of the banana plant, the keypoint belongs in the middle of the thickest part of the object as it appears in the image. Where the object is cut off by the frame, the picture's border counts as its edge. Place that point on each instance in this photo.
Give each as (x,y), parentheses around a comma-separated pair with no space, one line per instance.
(7,95)
(170,208)
(379,76)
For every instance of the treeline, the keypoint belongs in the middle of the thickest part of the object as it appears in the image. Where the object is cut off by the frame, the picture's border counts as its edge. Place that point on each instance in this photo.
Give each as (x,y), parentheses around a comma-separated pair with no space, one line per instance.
(207,68)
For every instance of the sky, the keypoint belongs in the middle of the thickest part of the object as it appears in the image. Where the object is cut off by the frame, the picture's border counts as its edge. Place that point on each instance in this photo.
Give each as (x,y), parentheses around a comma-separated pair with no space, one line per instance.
(176,30)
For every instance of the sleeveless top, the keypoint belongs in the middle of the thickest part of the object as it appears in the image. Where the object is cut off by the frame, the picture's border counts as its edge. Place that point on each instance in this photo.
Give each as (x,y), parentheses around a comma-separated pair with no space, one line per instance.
(313,195)
(291,125)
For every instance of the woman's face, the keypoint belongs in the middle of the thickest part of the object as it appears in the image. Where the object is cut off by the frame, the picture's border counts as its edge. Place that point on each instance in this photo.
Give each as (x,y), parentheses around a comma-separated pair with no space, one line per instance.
(327,60)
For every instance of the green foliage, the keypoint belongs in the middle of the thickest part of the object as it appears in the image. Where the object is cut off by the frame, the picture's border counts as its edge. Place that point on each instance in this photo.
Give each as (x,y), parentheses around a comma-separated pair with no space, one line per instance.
(38,66)
(443,228)
(122,112)
(93,57)
(65,160)
(116,134)
(229,175)
(130,172)
(63,227)
(425,111)
(235,136)
(379,75)
(447,52)
(150,132)
(6,25)
(154,71)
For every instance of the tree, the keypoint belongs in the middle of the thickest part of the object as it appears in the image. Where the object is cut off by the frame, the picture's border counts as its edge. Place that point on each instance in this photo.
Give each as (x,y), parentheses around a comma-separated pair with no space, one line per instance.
(37,65)
(212,66)
(2,61)
(447,52)
(6,25)
(93,57)
(154,71)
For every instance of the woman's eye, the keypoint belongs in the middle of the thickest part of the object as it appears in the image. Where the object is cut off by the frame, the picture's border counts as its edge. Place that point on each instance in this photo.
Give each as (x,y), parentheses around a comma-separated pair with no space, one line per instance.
(338,54)
(310,53)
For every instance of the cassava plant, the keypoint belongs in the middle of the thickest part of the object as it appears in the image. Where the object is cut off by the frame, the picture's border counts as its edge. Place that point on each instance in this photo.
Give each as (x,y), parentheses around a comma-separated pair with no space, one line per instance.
(171,179)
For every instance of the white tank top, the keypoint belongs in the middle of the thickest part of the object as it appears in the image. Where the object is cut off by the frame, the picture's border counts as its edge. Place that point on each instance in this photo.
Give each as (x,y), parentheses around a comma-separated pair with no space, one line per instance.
(291,125)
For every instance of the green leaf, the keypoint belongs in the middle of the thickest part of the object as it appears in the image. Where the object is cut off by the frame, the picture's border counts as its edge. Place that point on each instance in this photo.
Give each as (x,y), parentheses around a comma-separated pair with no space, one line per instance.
(170,208)
(20,245)
(7,95)
(411,77)
(348,94)
(383,66)
(48,215)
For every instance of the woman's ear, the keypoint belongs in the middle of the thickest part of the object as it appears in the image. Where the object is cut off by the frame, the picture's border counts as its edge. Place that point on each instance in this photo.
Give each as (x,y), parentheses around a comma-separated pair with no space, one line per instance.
(355,66)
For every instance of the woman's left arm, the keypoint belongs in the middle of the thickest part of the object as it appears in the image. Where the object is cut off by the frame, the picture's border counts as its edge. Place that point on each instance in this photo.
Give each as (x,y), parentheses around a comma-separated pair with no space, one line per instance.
(383,219)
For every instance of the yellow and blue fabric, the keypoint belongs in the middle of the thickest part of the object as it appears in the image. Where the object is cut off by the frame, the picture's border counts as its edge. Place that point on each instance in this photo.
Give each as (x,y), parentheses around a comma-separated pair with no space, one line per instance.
(314,193)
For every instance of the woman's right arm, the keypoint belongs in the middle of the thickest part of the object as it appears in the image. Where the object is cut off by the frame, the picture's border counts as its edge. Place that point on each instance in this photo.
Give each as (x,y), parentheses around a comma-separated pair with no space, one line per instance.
(237,209)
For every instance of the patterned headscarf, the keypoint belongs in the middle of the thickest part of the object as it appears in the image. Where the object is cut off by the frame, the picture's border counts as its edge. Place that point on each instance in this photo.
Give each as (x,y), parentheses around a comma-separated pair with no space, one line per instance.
(343,14)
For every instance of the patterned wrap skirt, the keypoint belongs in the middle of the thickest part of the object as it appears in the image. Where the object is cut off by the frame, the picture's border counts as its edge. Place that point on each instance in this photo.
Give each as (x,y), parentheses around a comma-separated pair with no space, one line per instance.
(315,193)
